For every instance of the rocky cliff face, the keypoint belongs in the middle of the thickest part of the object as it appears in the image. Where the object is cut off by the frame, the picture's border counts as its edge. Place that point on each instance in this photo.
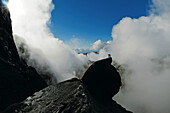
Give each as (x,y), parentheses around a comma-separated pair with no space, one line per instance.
(67,97)
(91,95)
(17,80)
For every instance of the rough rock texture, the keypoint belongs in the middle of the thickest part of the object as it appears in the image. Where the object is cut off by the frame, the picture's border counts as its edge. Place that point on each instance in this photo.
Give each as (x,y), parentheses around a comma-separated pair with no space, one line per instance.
(102,80)
(17,80)
(67,97)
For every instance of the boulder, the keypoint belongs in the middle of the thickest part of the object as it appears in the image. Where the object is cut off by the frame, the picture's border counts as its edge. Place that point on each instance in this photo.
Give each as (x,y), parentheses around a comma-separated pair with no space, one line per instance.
(18,81)
(102,80)
(67,97)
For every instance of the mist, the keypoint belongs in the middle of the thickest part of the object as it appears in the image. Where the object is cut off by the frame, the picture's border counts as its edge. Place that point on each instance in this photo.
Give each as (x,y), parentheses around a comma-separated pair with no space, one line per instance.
(30,21)
(142,47)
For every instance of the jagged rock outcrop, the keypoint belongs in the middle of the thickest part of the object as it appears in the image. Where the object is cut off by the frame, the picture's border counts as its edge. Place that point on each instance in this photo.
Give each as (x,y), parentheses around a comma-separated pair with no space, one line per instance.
(17,80)
(67,97)
(102,80)
(75,96)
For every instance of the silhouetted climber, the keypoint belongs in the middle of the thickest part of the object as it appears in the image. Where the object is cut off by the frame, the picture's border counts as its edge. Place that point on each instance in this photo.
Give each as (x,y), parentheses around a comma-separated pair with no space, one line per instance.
(109,55)
(102,80)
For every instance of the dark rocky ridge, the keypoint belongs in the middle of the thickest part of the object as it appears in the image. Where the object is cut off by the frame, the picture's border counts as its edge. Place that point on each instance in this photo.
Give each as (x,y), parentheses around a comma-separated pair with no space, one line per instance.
(17,80)
(67,97)
(76,96)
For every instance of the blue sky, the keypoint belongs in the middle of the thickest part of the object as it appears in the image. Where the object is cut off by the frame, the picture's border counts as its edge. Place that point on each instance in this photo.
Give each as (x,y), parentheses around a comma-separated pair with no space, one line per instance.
(85,21)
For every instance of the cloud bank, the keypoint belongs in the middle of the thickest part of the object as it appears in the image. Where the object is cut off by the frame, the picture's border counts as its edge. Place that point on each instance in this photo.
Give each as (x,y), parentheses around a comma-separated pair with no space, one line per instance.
(98,45)
(30,20)
(143,46)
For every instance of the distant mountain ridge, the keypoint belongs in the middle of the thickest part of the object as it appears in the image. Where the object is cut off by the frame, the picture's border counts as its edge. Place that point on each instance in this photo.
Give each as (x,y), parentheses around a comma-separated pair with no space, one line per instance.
(85,51)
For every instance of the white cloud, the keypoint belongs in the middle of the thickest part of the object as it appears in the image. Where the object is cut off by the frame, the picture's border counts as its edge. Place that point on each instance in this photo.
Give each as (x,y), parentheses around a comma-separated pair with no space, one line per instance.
(160,6)
(74,43)
(143,46)
(30,19)
(98,45)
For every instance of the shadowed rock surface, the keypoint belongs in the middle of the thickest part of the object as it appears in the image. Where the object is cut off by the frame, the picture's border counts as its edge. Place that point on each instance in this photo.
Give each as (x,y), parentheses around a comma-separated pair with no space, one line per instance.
(17,80)
(67,97)
(102,80)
